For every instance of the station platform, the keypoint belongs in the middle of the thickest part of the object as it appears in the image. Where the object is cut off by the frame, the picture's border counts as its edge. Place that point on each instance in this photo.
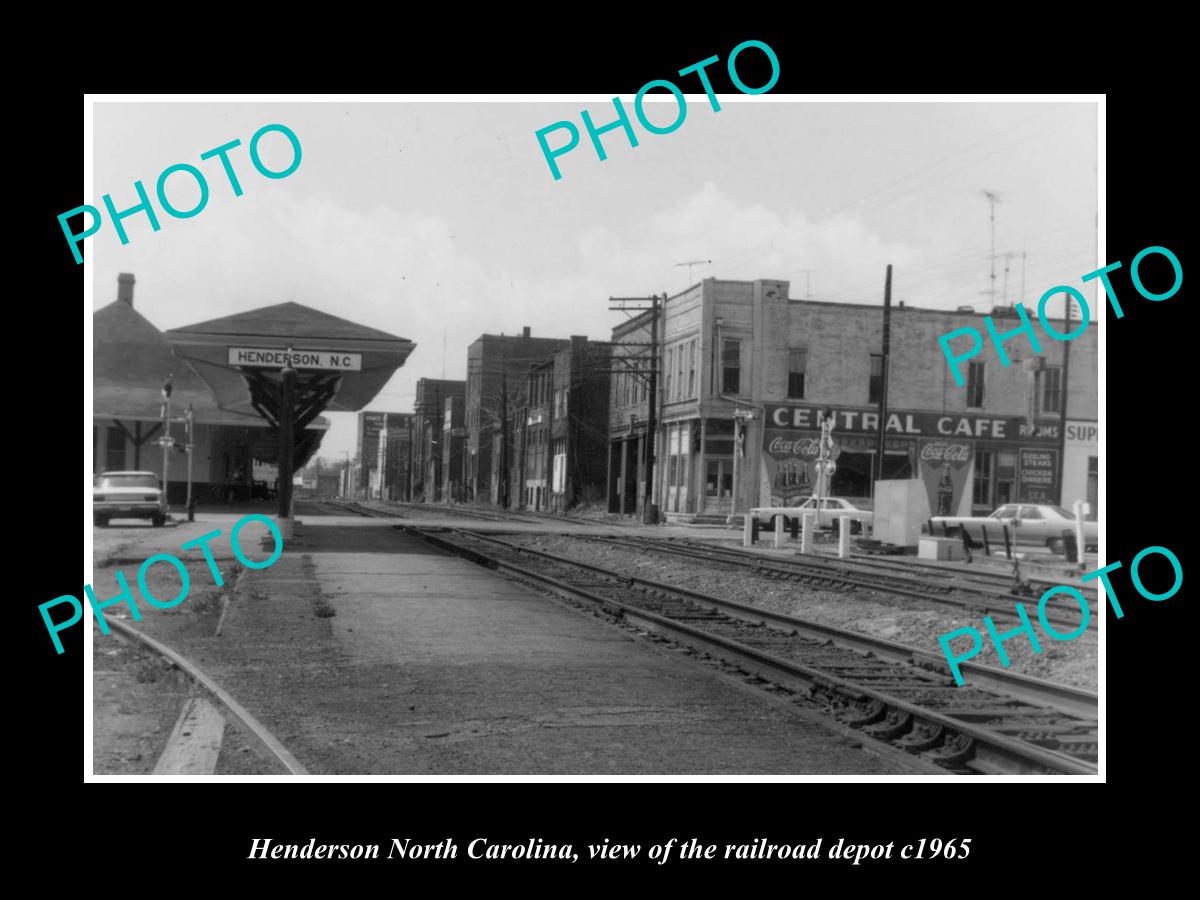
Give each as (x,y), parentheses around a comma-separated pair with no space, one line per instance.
(367,651)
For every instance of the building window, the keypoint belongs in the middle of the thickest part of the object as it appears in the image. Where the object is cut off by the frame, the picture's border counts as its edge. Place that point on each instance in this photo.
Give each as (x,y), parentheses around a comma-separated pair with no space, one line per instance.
(797,365)
(975,385)
(875,389)
(731,366)
(1050,390)
(670,368)
(692,369)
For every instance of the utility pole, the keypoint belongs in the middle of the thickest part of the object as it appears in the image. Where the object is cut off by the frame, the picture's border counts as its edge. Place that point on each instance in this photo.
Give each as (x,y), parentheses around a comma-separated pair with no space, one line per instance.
(881,440)
(502,487)
(166,443)
(1062,422)
(648,512)
(652,413)
(191,508)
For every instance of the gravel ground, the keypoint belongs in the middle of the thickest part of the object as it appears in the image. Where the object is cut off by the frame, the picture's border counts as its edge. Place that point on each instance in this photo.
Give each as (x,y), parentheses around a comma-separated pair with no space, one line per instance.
(136,698)
(867,612)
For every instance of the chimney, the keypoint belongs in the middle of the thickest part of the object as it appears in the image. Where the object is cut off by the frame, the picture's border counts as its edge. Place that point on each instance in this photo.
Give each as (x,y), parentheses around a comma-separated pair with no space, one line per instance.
(125,287)
(525,331)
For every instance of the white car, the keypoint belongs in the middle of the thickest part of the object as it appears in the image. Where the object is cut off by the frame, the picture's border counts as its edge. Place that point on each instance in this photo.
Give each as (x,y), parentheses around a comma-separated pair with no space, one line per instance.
(831,509)
(1039,524)
(128,495)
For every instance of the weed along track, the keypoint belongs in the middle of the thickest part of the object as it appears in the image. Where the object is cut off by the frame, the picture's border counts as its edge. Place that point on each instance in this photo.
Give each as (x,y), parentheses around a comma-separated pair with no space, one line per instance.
(999,723)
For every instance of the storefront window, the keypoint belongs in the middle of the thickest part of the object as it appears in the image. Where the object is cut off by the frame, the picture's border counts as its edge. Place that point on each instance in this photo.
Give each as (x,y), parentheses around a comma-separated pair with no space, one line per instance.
(984,462)
(1093,487)
(1006,477)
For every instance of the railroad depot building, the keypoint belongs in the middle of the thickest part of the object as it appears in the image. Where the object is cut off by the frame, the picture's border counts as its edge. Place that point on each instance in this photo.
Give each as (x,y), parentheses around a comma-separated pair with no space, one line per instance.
(132,360)
(747,346)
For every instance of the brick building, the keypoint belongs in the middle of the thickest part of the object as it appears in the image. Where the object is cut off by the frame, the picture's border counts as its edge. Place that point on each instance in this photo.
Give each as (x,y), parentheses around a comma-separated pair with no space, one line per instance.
(428,413)
(563,444)
(748,346)
(497,366)
(382,445)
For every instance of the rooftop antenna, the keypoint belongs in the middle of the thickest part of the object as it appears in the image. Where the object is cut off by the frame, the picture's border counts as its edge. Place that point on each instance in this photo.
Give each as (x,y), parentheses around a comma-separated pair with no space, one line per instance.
(807,283)
(694,262)
(1023,255)
(1007,257)
(993,199)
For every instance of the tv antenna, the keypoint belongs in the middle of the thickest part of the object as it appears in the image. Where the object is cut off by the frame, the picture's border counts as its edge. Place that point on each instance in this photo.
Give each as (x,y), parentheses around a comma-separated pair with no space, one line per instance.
(694,262)
(993,198)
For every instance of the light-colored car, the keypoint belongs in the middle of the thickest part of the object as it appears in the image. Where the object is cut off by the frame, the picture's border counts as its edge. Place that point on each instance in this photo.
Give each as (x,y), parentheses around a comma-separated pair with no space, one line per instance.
(127,495)
(831,509)
(1036,524)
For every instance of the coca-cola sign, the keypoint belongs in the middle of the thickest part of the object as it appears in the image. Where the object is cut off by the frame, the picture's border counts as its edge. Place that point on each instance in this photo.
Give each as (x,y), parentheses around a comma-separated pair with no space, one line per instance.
(793,447)
(944,451)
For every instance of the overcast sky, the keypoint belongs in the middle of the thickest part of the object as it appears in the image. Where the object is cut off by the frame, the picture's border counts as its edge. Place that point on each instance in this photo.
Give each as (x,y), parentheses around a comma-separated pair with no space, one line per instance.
(440,221)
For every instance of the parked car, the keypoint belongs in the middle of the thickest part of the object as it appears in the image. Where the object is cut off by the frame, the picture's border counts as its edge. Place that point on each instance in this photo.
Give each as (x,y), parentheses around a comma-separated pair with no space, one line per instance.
(1034,524)
(128,495)
(831,509)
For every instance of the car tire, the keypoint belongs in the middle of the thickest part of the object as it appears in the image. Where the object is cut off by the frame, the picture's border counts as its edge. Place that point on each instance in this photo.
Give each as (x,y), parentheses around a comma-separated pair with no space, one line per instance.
(158,520)
(100,521)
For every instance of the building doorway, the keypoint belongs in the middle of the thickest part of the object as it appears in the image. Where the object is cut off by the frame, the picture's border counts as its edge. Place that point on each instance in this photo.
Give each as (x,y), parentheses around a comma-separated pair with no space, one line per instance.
(631,477)
(718,486)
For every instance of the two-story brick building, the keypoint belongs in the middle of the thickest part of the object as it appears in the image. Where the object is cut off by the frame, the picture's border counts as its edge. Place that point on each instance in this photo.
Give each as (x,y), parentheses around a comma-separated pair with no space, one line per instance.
(746,346)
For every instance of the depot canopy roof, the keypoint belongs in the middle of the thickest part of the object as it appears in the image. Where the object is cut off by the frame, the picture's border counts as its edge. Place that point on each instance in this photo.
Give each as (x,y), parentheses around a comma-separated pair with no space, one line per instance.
(222,351)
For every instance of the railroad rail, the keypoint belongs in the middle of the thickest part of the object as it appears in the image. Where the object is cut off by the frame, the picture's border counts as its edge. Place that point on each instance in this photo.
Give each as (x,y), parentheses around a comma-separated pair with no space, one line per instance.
(911,567)
(233,712)
(997,723)
(470,512)
(834,576)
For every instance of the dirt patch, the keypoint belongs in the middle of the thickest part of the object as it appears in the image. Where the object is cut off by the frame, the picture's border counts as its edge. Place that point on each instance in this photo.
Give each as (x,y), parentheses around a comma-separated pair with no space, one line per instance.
(861,610)
(136,699)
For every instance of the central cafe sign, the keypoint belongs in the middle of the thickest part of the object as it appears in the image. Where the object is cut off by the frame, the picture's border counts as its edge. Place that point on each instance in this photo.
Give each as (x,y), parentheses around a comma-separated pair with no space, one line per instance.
(914,424)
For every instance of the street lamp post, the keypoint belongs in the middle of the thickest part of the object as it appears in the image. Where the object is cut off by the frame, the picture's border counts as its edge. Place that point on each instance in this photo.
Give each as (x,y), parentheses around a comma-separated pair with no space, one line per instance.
(191,508)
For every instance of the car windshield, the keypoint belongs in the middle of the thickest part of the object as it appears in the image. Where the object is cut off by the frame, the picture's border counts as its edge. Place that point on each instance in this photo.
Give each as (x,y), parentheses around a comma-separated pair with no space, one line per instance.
(134,480)
(1065,513)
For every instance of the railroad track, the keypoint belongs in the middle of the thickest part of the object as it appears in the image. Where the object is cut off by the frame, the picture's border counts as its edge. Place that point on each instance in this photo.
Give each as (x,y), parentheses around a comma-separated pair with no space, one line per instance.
(997,723)
(834,576)
(232,711)
(525,516)
(996,581)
